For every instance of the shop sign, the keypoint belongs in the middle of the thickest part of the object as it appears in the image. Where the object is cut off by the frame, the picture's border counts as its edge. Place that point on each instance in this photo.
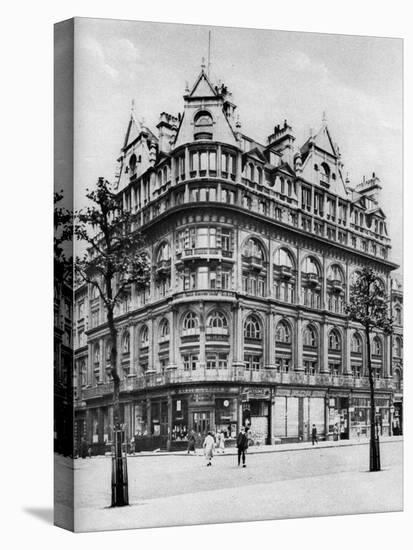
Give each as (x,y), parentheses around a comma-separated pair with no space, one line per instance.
(332,402)
(178,405)
(226,403)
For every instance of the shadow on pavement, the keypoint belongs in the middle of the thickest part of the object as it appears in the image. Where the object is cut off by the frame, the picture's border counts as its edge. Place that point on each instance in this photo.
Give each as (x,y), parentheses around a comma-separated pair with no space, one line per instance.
(44,514)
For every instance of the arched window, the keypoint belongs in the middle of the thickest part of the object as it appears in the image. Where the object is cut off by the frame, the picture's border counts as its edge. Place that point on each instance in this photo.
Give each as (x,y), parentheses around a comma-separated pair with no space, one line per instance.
(283,333)
(217,319)
(376,346)
(164,252)
(283,258)
(310,337)
(132,163)
(252,328)
(251,171)
(334,341)
(203,125)
(144,336)
(356,343)
(96,354)
(325,173)
(164,329)
(397,347)
(310,265)
(190,321)
(398,315)
(125,342)
(253,248)
(335,273)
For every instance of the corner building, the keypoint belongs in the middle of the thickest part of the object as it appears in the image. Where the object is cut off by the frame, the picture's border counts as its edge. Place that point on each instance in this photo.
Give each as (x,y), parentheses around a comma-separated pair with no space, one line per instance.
(253,248)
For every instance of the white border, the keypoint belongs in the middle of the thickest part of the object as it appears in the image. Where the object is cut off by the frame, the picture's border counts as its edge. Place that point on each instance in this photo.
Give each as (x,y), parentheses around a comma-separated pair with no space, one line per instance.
(26,262)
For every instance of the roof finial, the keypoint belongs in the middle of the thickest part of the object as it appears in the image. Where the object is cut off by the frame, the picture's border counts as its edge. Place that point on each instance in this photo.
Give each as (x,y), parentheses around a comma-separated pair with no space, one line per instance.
(132,107)
(186,86)
(203,64)
(324,118)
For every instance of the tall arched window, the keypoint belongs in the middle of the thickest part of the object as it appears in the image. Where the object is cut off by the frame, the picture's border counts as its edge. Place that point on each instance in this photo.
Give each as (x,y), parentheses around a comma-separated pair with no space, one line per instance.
(164,329)
(190,321)
(253,248)
(164,252)
(203,125)
(397,347)
(252,328)
(335,273)
(125,343)
(310,337)
(217,319)
(310,266)
(283,333)
(398,315)
(283,258)
(96,354)
(334,341)
(376,347)
(144,336)
(324,173)
(356,343)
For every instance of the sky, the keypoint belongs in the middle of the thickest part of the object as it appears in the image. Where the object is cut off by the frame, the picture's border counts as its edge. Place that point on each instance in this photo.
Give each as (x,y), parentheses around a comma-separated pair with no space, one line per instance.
(273,75)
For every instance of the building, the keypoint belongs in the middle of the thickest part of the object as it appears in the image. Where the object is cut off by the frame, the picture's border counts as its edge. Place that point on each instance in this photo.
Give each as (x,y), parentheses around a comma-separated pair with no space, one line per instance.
(253,249)
(63,367)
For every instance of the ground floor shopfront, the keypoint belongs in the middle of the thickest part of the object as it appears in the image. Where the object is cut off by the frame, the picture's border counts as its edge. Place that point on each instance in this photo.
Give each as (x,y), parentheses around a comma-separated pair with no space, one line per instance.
(164,418)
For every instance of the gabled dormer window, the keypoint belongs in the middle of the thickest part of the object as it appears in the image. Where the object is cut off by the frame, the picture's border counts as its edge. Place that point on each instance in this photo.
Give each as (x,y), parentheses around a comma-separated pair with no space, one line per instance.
(203,125)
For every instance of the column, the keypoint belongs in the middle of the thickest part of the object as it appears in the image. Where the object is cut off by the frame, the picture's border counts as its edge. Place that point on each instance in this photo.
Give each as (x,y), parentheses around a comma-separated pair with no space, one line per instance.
(238,176)
(238,335)
(299,300)
(186,164)
(172,334)
(347,350)
(219,161)
(89,371)
(170,411)
(132,349)
(173,172)
(298,347)
(238,260)
(324,302)
(202,362)
(270,268)
(151,366)
(149,416)
(323,348)
(271,340)
(387,357)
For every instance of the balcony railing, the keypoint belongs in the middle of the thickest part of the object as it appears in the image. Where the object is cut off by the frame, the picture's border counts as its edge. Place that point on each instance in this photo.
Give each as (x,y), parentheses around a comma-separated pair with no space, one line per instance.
(234,374)
(255,262)
(189,254)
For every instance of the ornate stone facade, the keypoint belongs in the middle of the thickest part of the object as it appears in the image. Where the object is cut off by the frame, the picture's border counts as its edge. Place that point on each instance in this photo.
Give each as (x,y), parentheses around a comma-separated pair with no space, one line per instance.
(253,248)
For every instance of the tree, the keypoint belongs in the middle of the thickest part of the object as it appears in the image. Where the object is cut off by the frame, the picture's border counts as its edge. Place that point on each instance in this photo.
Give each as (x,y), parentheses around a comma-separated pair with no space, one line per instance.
(115,260)
(369,306)
(62,245)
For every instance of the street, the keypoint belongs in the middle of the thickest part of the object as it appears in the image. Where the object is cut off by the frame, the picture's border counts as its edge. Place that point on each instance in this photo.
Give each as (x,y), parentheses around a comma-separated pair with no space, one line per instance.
(180,489)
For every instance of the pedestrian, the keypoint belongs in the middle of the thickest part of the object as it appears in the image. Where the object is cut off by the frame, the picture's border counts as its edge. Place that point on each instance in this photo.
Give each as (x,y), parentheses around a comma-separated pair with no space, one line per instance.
(83,448)
(314,437)
(221,442)
(209,445)
(335,432)
(191,442)
(242,445)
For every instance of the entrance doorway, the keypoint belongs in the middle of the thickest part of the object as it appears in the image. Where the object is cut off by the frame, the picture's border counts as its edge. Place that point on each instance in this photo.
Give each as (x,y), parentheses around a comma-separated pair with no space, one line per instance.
(201,423)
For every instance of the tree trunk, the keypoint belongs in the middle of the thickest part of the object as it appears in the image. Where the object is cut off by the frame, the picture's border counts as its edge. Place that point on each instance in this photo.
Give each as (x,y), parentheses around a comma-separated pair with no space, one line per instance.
(120,496)
(374,438)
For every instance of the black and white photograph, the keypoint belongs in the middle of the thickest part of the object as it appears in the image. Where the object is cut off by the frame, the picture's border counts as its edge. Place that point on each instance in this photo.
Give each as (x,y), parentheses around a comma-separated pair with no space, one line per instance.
(228,275)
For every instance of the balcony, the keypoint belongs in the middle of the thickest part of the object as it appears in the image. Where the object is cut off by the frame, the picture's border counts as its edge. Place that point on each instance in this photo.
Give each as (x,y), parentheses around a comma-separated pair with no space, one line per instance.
(311,279)
(233,375)
(254,262)
(336,285)
(163,268)
(285,272)
(194,254)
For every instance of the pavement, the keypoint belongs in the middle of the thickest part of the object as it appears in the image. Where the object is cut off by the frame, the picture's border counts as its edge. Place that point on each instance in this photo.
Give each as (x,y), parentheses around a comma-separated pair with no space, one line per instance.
(166,489)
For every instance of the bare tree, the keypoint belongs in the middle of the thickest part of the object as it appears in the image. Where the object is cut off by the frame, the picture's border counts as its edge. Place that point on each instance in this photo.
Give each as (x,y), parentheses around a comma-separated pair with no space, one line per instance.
(369,306)
(115,260)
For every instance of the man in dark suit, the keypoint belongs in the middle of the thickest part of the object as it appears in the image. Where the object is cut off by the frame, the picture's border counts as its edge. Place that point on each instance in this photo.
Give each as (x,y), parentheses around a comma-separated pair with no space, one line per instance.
(242,445)
(314,437)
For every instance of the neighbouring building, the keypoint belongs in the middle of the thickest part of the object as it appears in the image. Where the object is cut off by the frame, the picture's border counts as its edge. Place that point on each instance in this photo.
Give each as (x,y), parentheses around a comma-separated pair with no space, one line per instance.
(253,249)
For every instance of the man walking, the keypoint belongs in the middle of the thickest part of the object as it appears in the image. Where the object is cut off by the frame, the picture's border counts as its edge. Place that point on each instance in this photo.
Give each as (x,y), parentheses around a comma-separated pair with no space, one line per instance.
(314,437)
(242,445)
